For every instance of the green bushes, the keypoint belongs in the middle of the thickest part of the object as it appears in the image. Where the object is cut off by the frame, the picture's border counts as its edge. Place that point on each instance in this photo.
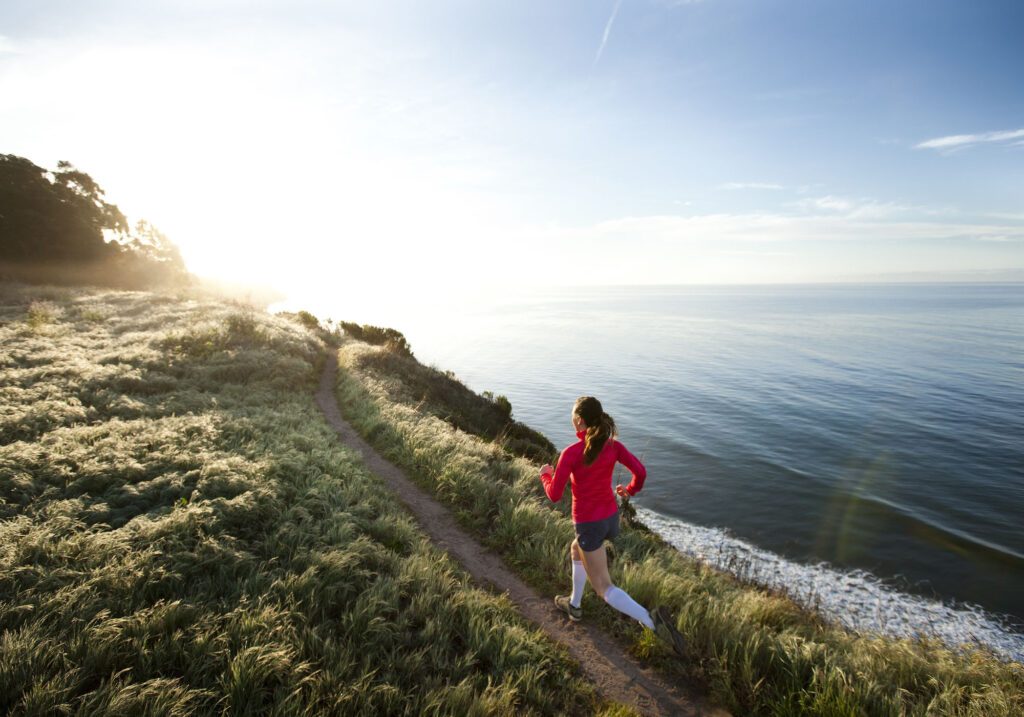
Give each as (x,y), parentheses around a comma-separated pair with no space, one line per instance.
(486,416)
(308,320)
(758,652)
(237,331)
(218,552)
(41,313)
(391,339)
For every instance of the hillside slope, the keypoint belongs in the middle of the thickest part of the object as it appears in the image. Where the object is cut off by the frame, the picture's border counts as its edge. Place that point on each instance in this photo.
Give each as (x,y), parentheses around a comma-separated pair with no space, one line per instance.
(180,533)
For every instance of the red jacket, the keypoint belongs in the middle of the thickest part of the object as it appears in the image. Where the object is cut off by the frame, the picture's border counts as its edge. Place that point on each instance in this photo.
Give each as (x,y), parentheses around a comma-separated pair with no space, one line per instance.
(592,494)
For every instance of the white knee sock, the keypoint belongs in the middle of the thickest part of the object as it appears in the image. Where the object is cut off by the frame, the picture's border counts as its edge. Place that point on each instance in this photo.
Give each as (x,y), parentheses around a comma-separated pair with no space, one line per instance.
(621,601)
(579,581)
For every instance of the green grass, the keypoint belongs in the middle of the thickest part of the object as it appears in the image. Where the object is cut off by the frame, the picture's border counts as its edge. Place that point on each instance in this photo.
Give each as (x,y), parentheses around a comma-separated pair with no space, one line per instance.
(181,533)
(757,652)
(441,393)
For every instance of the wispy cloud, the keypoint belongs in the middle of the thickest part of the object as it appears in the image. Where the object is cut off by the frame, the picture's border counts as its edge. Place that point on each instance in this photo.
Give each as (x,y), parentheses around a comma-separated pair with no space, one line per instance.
(999,237)
(764,228)
(7,46)
(734,186)
(1010,216)
(607,31)
(853,208)
(960,141)
(754,252)
(774,246)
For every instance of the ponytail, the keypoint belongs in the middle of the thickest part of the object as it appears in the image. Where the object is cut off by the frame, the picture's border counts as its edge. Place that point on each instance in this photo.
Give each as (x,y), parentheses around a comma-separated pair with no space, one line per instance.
(600,427)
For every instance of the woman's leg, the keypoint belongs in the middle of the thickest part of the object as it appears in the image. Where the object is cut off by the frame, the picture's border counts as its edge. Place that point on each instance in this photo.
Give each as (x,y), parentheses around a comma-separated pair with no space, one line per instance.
(596,562)
(579,574)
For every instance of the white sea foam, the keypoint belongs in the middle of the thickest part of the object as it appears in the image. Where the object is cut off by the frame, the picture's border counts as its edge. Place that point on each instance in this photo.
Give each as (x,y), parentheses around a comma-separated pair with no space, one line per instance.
(855,599)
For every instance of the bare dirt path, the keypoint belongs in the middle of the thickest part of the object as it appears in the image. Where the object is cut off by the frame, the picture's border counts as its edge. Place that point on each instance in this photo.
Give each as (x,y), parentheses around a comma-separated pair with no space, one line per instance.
(616,675)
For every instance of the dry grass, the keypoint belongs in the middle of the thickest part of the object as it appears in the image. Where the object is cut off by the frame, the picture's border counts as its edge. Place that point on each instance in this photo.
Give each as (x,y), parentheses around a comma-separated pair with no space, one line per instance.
(181,533)
(486,416)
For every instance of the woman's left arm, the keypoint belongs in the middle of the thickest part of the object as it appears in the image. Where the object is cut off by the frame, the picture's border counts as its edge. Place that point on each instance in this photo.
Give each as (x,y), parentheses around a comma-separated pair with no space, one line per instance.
(635,467)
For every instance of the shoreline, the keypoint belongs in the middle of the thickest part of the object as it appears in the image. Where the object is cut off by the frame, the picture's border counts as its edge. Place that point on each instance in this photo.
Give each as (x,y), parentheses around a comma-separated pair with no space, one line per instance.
(854,599)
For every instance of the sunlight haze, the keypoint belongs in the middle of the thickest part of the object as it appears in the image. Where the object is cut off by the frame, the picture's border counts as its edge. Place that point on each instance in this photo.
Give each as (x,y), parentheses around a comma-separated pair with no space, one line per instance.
(413,148)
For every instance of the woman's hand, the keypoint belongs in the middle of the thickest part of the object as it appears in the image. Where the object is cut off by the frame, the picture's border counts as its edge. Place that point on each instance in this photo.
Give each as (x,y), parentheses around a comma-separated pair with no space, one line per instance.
(621,490)
(547,470)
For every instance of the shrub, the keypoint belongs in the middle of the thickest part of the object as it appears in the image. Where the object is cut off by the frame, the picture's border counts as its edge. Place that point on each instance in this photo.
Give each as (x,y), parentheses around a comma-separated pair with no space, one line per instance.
(308,320)
(41,313)
(441,394)
(391,339)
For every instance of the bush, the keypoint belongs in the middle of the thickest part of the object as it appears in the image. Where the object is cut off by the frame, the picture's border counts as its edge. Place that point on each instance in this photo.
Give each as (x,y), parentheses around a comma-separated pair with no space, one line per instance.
(441,394)
(308,320)
(41,313)
(391,339)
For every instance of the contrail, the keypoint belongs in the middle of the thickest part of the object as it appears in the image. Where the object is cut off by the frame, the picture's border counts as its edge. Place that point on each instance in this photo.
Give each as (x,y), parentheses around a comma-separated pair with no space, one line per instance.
(607,31)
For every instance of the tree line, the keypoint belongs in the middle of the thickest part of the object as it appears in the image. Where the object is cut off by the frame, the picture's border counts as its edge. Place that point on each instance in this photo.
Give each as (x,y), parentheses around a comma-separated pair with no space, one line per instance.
(56,226)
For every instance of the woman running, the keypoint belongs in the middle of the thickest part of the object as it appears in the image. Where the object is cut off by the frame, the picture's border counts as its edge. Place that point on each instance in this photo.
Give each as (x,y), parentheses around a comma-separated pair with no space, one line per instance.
(595,512)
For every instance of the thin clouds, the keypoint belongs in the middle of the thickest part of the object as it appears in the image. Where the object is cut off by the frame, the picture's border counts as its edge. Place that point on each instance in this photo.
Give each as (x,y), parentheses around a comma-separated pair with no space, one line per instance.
(774,228)
(615,11)
(1010,216)
(850,208)
(960,141)
(735,186)
(825,218)
(999,238)
(607,30)
(772,246)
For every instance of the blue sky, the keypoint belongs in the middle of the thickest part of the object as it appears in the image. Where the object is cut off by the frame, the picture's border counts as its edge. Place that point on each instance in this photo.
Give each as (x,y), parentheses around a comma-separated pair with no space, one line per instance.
(455,143)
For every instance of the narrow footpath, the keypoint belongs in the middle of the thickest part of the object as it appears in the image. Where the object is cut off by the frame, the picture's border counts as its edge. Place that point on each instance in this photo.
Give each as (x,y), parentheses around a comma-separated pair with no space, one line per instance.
(616,675)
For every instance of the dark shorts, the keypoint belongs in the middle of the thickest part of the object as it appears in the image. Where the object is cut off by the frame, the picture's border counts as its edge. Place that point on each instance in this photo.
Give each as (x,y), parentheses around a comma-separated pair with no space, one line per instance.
(591,536)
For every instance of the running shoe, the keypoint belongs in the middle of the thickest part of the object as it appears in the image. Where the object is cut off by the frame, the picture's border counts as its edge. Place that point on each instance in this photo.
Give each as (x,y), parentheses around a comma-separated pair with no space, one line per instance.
(575,613)
(665,628)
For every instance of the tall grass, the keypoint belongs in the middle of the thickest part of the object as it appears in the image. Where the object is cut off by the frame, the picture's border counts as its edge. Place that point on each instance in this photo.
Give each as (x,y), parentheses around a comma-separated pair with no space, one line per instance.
(441,393)
(181,533)
(757,651)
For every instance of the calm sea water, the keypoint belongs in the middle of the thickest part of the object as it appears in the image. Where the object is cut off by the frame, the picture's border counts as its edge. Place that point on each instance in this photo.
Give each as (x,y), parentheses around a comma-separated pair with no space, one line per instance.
(862,446)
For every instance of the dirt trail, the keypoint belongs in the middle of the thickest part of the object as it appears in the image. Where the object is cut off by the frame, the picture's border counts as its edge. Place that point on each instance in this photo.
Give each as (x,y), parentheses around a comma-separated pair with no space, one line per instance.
(616,675)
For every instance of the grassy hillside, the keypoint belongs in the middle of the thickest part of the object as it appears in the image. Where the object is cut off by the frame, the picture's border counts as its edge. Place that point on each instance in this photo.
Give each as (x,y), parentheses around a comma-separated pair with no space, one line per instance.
(758,652)
(180,533)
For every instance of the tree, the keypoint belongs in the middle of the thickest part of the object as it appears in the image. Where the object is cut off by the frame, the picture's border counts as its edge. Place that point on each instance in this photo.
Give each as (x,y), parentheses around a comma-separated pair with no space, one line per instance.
(59,224)
(148,241)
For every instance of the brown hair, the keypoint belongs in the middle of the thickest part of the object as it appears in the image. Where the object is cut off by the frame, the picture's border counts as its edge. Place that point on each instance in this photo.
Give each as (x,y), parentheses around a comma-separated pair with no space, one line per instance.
(600,426)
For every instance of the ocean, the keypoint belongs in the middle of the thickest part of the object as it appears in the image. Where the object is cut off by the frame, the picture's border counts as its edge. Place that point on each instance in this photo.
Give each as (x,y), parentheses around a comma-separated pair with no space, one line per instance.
(861,446)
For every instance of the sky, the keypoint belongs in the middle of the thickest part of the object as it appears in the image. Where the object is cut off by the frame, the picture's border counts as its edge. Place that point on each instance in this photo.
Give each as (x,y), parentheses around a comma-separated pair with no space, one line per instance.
(410,148)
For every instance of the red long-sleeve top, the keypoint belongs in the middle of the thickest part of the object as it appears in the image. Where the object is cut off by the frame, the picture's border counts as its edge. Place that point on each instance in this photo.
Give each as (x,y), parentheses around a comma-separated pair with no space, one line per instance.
(592,495)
